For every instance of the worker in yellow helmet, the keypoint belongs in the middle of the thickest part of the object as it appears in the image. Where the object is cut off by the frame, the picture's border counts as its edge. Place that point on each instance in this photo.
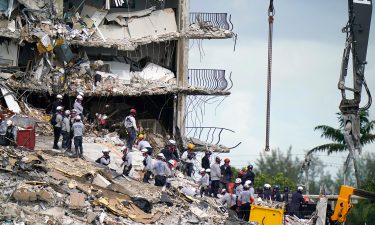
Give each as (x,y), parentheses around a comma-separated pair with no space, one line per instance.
(188,158)
(143,144)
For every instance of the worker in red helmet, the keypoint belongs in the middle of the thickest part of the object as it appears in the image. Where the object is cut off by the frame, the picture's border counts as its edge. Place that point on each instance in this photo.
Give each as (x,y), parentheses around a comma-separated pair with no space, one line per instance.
(226,174)
(131,127)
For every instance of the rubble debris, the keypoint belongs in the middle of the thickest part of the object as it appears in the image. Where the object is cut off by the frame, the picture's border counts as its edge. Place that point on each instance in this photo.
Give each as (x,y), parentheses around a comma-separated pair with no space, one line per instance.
(101,181)
(10,100)
(33,191)
(77,200)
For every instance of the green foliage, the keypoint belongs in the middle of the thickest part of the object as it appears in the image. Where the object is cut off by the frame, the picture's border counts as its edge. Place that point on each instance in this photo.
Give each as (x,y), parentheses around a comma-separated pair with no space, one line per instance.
(336,135)
(277,179)
(278,162)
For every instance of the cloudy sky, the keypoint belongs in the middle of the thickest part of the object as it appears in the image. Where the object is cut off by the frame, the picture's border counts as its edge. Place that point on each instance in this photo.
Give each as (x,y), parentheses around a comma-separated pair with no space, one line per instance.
(308,46)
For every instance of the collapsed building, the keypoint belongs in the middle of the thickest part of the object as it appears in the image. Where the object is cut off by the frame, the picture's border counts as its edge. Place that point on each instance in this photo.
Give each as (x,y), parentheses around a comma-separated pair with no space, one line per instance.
(120,54)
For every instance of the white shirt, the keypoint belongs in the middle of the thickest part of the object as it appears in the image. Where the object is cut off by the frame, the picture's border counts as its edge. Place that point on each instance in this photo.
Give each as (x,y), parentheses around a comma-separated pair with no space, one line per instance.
(239,189)
(105,161)
(130,122)
(142,144)
(161,168)
(228,200)
(129,159)
(215,171)
(205,180)
(148,163)
(185,158)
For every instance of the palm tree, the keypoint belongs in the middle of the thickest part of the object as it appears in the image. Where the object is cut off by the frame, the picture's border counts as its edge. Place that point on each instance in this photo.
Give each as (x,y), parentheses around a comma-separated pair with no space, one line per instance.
(336,135)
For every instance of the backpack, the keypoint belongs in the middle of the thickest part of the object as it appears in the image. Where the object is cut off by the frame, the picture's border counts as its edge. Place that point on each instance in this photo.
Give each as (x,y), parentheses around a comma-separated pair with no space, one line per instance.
(53,119)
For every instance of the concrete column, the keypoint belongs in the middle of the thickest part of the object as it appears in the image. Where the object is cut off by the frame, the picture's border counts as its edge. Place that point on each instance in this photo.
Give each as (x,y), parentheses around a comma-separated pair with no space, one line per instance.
(182,64)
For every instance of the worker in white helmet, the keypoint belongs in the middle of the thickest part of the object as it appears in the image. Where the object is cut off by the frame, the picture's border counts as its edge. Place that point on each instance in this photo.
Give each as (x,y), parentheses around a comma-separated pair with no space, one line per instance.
(147,162)
(105,159)
(161,170)
(228,199)
(204,182)
(11,134)
(128,161)
(297,200)
(65,130)
(78,131)
(56,103)
(56,122)
(78,106)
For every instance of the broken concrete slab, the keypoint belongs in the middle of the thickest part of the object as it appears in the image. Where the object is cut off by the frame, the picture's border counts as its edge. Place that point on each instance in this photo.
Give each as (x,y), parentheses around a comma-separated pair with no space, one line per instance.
(101,181)
(10,100)
(117,16)
(114,32)
(77,200)
(157,23)
(56,212)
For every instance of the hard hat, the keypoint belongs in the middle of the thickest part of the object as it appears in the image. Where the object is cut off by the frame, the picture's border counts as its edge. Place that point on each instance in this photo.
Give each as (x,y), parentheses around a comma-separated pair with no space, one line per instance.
(173,163)
(248,182)
(250,167)
(59,108)
(78,118)
(208,170)
(105,150)
(172,142)
(140,136)
(133,111)
(67,112)
(217,158)
(9,122)
(267,186)
(202,171)
(246,186)
(123,148)
(300,188)
(79,97)
(74,111)
(144,150)
(161,155)
(190,146)
(277,187)
(226,160)
(223,190)
(59,96)
(238,181)
(104,117)
(81,93)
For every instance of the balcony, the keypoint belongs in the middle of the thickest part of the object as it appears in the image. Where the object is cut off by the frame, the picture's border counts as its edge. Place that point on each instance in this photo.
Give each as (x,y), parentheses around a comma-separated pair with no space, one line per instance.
(211,79)
(209,26)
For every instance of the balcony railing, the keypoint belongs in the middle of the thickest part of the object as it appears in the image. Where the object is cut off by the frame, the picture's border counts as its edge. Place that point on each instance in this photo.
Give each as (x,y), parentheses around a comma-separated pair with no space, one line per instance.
(217,20)
(211,79)
(210,135)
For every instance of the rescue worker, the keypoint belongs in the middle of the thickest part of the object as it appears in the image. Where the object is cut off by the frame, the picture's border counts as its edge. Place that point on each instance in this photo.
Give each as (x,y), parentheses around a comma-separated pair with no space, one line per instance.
(244,202)
(238,187)
(105,159)
(204,182)
(170,151)
(57,127)
(143,144)
(131,127)
(267,193)
(295,204)
(3,131)
(276,194)
(188,158)
(72,119)
(161,170)
(56,103)
(147,162)
(208,172)
(226,174)
(78,131)
(78,106)
(65,130)
(249,175)
(11,134)
(206,160)
(128,161)
(215,176)
(228,199)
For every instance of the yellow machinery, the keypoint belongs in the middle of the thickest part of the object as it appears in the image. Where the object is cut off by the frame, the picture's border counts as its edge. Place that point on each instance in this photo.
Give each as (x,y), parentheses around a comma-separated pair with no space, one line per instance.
(266,216)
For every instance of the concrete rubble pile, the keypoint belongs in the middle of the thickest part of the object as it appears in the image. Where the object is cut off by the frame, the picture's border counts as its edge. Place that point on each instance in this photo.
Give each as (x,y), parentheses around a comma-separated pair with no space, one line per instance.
(292,220)
(58,36)
(47,187)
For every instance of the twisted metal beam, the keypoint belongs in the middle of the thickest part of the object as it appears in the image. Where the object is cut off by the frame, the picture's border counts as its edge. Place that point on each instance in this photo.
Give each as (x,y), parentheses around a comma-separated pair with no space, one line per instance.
(211,134)
(211,79)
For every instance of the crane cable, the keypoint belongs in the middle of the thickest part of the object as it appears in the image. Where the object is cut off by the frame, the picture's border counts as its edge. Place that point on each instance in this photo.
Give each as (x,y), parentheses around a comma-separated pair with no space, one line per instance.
(271,13)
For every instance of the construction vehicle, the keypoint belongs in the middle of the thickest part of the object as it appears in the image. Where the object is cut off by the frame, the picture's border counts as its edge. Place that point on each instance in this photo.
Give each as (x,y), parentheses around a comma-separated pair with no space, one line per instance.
(343,204)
